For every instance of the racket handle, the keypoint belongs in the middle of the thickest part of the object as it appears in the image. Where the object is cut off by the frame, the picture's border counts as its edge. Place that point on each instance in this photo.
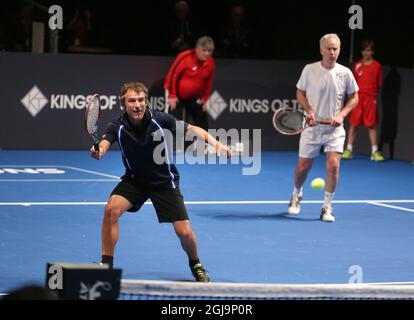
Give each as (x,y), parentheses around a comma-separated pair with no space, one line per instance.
(96,146)
(324,122)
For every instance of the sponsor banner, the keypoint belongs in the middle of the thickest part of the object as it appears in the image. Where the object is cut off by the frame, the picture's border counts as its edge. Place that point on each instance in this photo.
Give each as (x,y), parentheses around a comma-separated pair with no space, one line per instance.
(43,96)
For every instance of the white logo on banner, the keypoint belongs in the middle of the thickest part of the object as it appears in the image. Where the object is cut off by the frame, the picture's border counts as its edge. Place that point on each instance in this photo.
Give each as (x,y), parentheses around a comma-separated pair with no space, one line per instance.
(34,101)
(88,292)
(215,105)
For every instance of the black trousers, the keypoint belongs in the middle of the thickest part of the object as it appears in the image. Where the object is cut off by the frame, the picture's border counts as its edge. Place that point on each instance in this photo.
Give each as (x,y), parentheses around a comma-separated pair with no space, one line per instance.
(194,113)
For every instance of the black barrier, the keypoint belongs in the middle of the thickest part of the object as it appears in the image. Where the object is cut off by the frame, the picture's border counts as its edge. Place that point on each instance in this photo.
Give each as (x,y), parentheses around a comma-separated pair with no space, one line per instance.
(79,281)
(43,98)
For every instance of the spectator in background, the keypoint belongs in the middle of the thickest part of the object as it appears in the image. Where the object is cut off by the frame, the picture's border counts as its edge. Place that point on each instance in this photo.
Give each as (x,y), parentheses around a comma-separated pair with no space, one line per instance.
(79,28)
(21,30)
(236,39)
(184,31)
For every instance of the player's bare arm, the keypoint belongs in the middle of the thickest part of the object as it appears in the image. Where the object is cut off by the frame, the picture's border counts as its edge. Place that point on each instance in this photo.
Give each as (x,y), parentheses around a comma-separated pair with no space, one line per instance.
(205,136)
(104,146)
(303,101)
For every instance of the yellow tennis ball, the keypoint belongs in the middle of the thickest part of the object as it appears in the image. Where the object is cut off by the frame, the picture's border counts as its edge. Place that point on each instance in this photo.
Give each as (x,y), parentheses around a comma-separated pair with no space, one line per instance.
(318,183)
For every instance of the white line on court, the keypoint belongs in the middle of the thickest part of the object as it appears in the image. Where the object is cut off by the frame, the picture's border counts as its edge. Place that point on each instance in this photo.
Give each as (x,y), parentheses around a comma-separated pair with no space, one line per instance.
(92,172)
(58,166)
(378,202)
(386,283)
(28,204)
(58,180)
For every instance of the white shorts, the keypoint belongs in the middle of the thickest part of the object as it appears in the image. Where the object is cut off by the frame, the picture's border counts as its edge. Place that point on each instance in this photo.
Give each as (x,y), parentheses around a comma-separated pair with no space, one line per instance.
(313,138)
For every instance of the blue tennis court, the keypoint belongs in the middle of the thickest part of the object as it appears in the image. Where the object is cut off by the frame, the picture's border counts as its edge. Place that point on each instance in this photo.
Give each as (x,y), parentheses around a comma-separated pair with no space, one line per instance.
(51,208)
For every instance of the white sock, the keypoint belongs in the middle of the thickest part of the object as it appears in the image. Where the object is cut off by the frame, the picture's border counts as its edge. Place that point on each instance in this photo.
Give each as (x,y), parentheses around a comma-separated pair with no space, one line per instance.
(298,191)
(349,147)
(328,197)
(374,148)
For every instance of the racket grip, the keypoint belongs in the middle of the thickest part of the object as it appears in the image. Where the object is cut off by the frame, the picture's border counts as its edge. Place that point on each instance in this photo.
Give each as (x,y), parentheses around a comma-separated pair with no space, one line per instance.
(96,146)
(324,122)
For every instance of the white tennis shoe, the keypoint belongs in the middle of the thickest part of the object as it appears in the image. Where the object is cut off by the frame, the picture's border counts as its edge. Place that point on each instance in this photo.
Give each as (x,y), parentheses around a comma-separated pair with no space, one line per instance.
(294,205)
(327,215)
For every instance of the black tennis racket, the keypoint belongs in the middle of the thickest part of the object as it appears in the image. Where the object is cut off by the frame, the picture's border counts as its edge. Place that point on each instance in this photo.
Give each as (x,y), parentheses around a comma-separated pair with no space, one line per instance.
(292,121)
(93,111)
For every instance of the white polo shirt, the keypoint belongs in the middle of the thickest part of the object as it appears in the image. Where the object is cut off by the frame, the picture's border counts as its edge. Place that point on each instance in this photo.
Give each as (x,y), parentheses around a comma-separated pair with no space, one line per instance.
(326,89)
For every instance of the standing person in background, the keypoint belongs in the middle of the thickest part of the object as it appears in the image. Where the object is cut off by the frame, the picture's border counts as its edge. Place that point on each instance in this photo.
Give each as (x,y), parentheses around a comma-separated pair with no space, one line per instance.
(79,28)
(190,80)
(368,74)
(236,39)
(20,33)
(183,31)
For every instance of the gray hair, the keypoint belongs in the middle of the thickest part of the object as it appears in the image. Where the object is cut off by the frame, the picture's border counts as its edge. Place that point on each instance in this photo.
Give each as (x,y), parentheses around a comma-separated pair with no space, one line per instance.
(205,43)
(327,36)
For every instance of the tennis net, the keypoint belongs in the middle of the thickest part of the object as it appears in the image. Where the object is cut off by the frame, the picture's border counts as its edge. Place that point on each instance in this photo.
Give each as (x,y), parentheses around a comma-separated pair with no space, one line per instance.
(174,290)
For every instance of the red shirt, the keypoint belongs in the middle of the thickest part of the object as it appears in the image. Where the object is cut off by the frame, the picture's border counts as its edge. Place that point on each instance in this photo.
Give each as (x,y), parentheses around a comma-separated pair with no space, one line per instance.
(368,77)
(190,78)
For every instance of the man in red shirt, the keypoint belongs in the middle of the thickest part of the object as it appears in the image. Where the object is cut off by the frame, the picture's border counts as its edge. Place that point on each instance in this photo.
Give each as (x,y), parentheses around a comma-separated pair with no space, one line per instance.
(368,74)
(190,80)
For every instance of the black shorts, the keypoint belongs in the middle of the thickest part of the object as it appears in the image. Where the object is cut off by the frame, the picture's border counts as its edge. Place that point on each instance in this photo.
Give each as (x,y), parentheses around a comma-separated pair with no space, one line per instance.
(168,203)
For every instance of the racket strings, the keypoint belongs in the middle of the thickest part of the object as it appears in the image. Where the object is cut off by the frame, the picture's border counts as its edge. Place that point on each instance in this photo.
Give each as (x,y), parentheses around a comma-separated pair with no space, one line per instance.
(92,117)
(290,122)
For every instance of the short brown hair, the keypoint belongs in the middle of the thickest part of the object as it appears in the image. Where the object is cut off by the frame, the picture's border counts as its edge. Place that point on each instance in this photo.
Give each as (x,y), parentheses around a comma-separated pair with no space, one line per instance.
(367,43)
(136,86)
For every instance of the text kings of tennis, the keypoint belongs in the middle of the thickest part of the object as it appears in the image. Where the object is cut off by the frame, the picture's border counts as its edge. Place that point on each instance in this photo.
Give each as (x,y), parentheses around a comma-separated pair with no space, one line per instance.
(93,110)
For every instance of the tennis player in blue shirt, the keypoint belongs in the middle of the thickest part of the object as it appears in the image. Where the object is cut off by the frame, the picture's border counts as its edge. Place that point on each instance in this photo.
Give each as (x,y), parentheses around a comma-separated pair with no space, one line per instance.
(145,178)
